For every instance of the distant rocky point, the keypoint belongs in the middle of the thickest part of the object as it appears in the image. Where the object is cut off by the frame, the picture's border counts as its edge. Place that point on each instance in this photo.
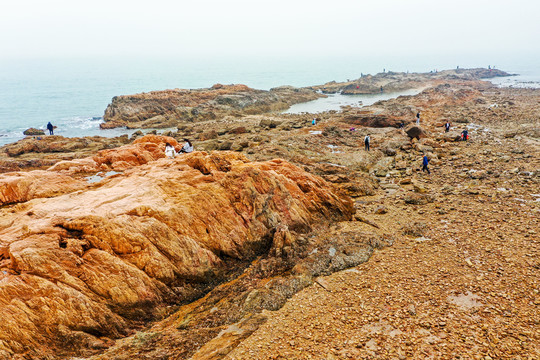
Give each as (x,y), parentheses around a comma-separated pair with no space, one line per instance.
(162,109)
(398,81)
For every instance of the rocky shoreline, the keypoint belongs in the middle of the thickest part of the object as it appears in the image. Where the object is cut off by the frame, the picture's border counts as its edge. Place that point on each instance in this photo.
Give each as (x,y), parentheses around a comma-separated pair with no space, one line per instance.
(164,109)
(237,250)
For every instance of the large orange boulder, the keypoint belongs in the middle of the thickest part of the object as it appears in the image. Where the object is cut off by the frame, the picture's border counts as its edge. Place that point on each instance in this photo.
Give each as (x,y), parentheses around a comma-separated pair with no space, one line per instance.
(145,149)
(81,268)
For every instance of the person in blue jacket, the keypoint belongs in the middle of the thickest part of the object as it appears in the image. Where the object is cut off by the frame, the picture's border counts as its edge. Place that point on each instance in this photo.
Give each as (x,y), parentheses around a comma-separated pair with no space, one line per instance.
(425,163)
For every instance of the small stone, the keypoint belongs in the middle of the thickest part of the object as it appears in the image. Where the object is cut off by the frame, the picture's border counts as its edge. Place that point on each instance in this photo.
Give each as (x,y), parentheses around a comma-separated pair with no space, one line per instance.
(381,210)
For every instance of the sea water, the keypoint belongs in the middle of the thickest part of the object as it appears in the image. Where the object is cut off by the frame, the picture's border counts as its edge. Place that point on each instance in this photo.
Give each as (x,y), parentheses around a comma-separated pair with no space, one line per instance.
(72,94)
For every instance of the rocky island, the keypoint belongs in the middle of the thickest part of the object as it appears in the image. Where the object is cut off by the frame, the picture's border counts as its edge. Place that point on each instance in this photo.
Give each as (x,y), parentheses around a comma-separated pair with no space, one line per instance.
(277,239)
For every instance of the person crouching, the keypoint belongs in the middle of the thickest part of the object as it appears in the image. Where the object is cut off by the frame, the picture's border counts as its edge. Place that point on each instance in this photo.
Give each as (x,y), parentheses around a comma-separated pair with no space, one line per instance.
(170,152)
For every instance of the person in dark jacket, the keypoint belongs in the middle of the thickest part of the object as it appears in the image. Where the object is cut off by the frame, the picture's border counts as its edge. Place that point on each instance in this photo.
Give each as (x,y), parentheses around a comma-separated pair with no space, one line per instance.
(447,126)
(366,142)
(425,162)
(465,135)
(50,127)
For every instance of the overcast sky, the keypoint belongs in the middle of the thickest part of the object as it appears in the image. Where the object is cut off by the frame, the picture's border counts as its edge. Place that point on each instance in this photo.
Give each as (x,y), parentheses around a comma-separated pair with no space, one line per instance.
(71,28)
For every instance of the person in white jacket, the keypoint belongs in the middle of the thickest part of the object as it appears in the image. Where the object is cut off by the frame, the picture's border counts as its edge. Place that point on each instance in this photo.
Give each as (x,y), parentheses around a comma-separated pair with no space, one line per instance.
(188,147)
(169,151)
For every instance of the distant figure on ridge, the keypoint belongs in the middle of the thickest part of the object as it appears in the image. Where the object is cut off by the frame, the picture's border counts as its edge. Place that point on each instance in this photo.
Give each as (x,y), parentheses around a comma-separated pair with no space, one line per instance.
(366,142)
(169,151)
(50,127)
(314,122)
(187,148)
(447,127)
(418,118)
(381,89)
(425,162)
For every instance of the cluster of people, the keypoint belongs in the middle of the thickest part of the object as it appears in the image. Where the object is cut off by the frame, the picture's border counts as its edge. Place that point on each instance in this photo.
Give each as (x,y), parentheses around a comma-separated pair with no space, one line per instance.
(170,151)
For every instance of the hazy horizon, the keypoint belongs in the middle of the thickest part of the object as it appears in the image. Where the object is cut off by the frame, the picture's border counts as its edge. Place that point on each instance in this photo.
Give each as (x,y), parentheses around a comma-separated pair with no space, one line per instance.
(60,29)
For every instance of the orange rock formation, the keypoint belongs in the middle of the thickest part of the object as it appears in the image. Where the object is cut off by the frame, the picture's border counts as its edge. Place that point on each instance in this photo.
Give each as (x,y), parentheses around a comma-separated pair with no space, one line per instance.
(83,267)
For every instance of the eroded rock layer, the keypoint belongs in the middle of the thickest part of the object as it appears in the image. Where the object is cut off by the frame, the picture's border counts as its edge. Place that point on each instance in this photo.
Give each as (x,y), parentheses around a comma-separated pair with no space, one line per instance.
(83,267)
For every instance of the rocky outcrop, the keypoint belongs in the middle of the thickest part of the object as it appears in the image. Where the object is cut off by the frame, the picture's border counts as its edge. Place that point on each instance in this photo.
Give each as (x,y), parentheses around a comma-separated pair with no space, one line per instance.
(23,186)
(33,131)
(398,81)
(81,268)
(43,152)
(415,132)
(61,144)
(144,149)
(161,109)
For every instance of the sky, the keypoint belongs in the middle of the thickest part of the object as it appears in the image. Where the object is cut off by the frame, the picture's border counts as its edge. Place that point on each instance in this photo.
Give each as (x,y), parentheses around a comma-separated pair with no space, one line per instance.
(71,28)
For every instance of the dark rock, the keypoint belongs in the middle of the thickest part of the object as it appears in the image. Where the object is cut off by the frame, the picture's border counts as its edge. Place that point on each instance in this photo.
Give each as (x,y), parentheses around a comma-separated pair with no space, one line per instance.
(268,123)
(33,131)
(415,132)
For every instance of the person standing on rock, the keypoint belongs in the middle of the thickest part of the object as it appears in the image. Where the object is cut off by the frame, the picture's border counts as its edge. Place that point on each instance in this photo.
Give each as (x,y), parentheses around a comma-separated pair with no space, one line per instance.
(418,118)
(50,127)
(425,162)
(188,147)
(366,142)
(314,122)
(447,127)
(465,135)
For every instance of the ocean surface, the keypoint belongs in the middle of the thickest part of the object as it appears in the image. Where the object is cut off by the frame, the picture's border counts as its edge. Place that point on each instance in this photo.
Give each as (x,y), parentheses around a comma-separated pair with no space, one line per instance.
(73,93)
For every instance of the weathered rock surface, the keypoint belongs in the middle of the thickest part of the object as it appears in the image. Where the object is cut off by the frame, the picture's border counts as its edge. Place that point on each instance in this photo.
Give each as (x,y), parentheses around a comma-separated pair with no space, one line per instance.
(81,268)
(33,131)
(23,186)
(141,151)
(161,109)
(46,151)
